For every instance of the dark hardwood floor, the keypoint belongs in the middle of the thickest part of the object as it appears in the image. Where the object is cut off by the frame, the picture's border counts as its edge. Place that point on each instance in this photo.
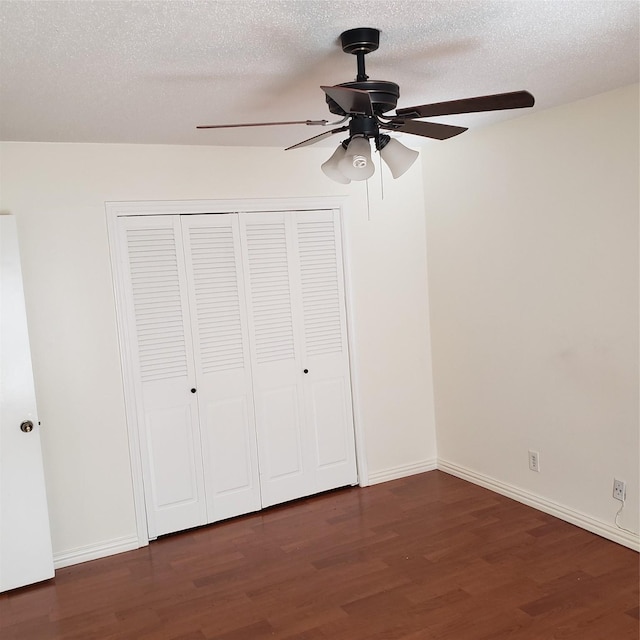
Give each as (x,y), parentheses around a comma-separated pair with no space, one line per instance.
(428,557)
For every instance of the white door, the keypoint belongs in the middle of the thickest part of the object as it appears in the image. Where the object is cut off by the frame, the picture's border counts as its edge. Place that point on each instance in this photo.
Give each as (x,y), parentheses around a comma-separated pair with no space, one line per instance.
(236,337)
(160,352)
(297,322)
(324,349)
(222,362)
(25,542)
(276,359)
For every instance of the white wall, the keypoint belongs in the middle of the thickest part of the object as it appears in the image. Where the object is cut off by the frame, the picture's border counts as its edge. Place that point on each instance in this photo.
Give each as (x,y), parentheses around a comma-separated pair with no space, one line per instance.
(532,236)
(58,191)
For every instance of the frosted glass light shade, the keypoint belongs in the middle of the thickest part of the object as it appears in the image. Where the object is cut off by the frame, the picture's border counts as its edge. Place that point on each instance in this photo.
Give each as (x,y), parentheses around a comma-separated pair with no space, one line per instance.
(356,163)
(398,157)
(330,167)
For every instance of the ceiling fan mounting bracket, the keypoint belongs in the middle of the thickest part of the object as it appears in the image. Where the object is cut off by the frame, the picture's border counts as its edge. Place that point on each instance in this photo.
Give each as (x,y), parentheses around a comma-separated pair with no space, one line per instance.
(362,40)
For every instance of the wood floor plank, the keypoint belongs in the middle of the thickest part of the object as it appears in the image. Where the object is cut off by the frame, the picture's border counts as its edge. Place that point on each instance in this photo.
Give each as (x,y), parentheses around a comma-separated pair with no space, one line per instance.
(429,557)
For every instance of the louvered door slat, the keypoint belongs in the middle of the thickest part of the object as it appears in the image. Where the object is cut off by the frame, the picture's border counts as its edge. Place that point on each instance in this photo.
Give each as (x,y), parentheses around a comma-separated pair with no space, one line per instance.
(149,263)
(213,268)
(270,291)
(319,287)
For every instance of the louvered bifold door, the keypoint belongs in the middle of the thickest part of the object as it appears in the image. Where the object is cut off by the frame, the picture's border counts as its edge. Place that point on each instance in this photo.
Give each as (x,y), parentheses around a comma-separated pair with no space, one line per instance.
(324,348)
(158,328)
(273,313)
(223,366)
(297,319)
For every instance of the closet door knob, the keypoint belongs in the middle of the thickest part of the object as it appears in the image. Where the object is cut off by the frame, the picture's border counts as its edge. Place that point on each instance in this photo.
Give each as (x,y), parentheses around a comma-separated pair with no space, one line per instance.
(193,390)
(26,426)
(306,371)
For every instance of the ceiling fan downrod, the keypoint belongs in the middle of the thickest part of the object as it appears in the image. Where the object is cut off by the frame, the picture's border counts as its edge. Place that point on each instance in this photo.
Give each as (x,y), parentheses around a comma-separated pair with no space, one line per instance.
(383,95)
(360,42)
(362,76)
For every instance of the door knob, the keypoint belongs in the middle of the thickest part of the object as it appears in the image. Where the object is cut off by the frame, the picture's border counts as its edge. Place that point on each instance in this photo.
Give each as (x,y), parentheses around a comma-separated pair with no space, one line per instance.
(26,426)
(306,371)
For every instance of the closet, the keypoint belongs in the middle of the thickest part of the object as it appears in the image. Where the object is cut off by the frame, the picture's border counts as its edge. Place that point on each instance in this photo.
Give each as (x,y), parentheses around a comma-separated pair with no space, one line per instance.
(233,331)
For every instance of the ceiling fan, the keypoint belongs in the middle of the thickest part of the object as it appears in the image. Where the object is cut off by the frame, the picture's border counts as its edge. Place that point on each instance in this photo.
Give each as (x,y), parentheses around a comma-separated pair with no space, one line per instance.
(363,107)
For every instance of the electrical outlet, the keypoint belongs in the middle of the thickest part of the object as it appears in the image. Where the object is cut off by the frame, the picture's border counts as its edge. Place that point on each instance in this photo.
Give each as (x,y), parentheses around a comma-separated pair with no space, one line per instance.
(619,489)
(534,461)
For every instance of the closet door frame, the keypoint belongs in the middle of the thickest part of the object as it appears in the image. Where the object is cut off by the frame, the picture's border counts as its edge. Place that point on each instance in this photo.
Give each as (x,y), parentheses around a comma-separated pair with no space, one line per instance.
(115,210)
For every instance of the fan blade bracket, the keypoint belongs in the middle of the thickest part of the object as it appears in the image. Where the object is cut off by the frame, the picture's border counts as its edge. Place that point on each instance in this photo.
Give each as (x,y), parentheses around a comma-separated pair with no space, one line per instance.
(407,113)
(351,101)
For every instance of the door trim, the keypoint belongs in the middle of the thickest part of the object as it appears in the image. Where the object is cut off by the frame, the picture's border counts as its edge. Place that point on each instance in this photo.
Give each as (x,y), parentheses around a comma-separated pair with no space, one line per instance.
(115,210)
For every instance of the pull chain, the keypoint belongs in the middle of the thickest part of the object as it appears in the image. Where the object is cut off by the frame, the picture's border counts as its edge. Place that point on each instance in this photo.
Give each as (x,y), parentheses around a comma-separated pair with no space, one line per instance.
(368,204)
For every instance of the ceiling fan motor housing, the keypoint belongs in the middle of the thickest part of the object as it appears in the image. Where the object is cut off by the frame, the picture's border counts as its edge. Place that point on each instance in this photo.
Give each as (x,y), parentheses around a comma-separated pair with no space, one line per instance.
(365,126)
(384,95)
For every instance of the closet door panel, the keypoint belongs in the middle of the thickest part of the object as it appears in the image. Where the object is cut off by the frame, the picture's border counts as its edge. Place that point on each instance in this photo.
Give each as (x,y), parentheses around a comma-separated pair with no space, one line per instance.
(223,366)
(327,387)
(280,424)
(170,446)
(279,413)
(327,413)
(158,329)
(227,423)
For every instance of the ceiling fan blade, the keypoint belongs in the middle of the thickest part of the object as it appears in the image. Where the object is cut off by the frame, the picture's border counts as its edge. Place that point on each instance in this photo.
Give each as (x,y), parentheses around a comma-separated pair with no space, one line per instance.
(433,130)
(317,138)
(261,124)
(496,102)
(354,101)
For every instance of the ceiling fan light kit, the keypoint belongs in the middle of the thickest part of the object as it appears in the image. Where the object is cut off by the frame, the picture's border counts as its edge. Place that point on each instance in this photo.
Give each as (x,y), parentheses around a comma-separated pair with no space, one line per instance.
(396,156)
(330,167)
(356,163)
(364,103)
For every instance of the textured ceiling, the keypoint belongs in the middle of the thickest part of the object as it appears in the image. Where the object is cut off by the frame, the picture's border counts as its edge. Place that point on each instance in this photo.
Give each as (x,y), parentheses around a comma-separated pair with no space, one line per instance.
(148,72)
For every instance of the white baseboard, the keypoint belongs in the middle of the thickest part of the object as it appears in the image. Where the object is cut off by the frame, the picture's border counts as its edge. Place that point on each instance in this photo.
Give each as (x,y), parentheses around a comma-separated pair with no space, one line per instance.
(402,471)
(604,529)
(582,520)
(128,543)
(95,551)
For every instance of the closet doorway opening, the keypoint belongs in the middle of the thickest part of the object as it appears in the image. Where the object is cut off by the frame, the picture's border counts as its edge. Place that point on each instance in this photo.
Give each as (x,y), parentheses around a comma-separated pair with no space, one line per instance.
(234,338)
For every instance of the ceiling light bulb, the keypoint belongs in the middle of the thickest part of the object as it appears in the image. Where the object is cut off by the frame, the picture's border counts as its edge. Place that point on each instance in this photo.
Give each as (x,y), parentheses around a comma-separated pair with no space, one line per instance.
(359,162)
(356,163)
